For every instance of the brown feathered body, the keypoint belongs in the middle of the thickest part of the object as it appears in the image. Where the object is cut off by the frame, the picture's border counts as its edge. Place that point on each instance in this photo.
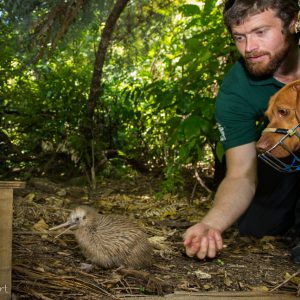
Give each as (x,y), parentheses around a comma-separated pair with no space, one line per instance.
(110,241)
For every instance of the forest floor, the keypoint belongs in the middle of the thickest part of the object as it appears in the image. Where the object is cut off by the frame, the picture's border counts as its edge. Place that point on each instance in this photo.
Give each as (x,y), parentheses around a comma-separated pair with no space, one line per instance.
(45,267)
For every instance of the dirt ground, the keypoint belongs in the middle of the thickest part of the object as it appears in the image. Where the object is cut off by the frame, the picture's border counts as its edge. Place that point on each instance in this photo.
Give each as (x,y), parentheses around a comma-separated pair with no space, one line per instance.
(46,267)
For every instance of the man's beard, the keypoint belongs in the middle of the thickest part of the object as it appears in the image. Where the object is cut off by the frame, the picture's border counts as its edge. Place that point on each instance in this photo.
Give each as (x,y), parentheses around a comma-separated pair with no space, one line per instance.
(260,69)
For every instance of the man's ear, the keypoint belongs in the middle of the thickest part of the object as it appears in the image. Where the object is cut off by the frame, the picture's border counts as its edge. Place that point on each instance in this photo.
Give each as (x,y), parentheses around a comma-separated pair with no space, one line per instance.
(293,27)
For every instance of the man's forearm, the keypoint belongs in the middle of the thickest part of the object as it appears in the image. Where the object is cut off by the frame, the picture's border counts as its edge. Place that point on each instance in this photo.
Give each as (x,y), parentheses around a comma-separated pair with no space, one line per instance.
(233,197)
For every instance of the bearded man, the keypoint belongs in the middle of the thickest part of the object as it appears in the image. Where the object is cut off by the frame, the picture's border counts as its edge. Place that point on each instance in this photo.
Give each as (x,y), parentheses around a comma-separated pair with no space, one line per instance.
(262,200)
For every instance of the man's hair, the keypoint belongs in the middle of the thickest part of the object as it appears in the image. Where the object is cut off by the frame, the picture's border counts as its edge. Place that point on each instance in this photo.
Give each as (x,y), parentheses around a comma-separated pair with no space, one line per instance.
(236,11)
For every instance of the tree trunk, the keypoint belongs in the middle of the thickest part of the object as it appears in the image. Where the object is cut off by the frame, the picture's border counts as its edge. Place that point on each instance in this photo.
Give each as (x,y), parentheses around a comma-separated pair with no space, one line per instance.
(95,89)
(96,83)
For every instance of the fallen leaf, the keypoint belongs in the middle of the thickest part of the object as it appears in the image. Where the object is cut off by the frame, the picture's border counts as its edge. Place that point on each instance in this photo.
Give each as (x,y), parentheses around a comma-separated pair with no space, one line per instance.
(41,269)
(158,242)
(41,226)
(202,275)
(262,288)
(61,193)
(64,253)
(30,197)
(206,286)
(227,281)
(295,280)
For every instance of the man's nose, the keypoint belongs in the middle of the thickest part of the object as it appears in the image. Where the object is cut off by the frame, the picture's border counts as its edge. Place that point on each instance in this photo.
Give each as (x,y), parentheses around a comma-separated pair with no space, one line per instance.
(251,44)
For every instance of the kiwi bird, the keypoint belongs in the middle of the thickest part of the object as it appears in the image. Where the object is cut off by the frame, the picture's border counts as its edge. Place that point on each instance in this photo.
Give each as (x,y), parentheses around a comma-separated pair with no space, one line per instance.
(109,241)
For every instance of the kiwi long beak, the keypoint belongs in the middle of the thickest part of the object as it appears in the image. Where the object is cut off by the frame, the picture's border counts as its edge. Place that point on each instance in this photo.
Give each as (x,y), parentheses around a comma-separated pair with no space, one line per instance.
(67,224)
(63,225)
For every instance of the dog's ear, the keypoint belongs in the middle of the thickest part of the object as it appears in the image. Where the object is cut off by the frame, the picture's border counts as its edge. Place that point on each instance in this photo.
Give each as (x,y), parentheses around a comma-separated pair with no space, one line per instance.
(298,104)
(297,88)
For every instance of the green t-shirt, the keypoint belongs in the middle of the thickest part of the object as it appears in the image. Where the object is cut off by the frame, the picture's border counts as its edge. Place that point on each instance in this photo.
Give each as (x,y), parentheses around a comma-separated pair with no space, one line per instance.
(240,106)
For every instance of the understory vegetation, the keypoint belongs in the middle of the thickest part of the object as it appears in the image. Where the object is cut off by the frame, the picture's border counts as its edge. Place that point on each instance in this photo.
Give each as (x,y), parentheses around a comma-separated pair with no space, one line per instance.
(108,88)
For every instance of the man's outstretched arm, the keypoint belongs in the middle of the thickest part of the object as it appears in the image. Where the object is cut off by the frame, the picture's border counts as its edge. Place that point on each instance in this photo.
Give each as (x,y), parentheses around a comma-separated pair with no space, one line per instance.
(233,197)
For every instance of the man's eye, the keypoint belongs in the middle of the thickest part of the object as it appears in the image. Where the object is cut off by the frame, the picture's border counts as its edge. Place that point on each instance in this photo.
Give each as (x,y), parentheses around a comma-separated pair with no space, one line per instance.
(260,32)
(238,38)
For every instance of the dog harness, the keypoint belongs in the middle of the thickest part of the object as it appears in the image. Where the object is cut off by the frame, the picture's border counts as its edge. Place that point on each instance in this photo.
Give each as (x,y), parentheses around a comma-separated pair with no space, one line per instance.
(287,165)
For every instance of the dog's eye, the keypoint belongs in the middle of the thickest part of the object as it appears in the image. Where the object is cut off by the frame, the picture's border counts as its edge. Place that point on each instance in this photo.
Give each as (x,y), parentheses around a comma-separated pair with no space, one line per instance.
(282,112)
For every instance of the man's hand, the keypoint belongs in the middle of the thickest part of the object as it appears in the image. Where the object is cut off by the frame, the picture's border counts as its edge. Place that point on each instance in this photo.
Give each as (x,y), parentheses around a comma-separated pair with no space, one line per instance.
(232,198)
(203,241)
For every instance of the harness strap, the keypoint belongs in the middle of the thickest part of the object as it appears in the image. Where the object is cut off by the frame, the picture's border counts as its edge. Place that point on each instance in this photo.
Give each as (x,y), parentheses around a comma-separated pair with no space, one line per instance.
(275,130)
(289,132)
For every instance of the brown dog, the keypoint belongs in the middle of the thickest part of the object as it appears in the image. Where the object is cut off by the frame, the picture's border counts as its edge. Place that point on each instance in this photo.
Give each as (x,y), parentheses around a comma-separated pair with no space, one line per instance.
(281,138)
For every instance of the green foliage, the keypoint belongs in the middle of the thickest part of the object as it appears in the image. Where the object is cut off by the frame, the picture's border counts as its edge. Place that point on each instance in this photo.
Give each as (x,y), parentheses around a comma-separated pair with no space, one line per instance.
(49,100)
(160,80)
(192,60)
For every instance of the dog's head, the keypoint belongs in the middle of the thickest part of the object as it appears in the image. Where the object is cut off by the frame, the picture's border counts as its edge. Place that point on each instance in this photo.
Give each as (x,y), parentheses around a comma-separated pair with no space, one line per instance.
(283,113)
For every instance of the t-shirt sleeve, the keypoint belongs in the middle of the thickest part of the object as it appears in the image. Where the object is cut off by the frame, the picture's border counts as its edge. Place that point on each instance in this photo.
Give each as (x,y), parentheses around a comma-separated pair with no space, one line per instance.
(235,119)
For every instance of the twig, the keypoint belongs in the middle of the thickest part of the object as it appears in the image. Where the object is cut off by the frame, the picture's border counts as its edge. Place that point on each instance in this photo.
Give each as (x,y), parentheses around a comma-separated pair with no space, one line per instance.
(202,182)
(42,285)
(37,233)
(39,295)
(285,281)
(153,283)
(66,283)
(193,191)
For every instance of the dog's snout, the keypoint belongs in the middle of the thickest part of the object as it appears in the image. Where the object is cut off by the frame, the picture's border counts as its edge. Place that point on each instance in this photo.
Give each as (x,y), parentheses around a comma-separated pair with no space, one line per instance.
(263,144)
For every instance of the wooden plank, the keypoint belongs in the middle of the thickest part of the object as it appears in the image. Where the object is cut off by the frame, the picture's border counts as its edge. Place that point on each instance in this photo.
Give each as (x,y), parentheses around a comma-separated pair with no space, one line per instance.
(12,184)
(271,297)
(6,213)
(218,296)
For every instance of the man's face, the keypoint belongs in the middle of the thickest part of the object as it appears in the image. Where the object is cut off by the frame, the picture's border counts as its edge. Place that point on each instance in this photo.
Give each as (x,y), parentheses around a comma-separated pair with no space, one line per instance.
(262,42)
